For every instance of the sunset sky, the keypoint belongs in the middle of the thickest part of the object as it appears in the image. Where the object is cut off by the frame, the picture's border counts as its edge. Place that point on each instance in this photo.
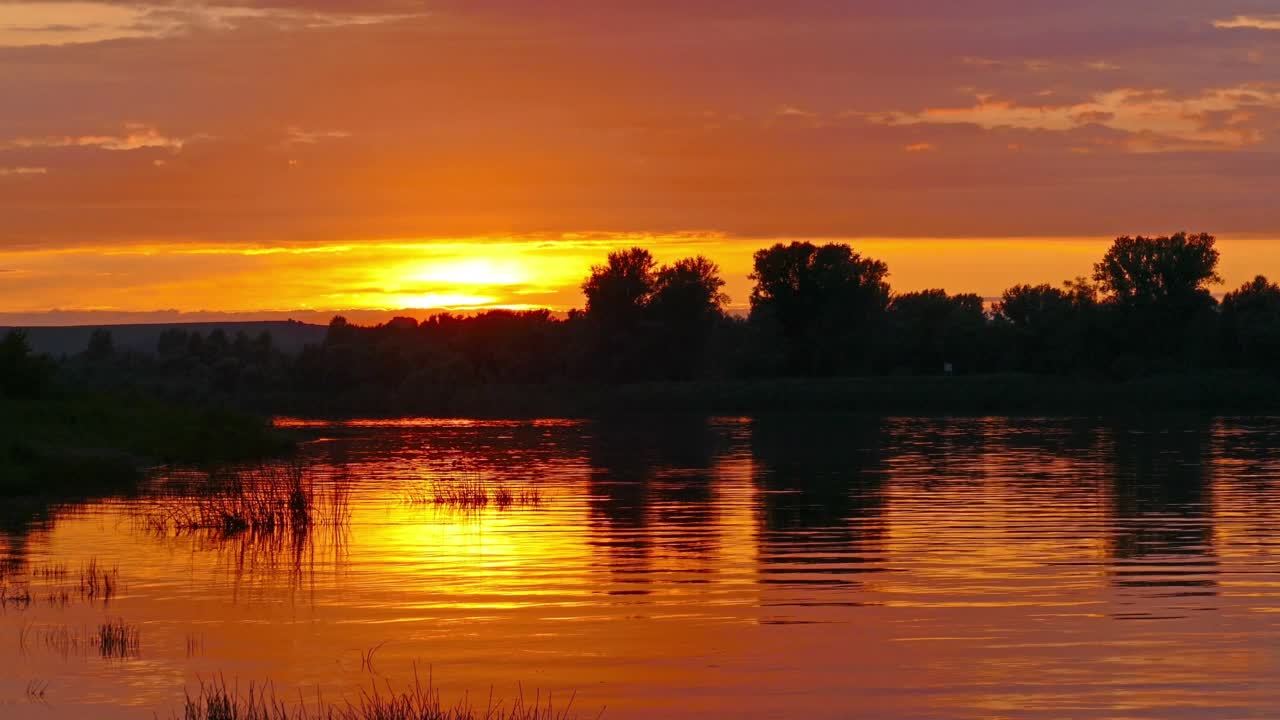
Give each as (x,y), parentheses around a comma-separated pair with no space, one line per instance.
(288,157)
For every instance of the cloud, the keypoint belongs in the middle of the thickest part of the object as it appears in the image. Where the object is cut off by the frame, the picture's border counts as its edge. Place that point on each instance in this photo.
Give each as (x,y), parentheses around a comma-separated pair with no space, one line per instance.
(920,147)
(283,121)
(35,23)
(21,171)
(134,137)
(1253,22)
(1037,65)
(310,137)
(1158,120)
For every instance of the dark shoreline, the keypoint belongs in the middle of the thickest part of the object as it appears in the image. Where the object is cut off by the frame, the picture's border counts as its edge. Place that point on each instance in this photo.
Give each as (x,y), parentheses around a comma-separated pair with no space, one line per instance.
(67,447)
(1015,395)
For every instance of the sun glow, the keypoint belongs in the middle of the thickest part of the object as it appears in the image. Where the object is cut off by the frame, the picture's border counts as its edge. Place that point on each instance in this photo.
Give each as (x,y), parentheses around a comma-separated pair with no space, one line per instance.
(471,271)
(420,276)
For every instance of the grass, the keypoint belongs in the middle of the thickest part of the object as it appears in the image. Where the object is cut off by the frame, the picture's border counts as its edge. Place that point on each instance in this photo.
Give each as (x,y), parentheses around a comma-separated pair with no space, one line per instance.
(216,701)
(98,584)
(67,447)
(140,426)
(21,584)
(36,691)
(58,639)
(471,492)
(113,639)
(260,519)
(267,499)
(117,639)
(15,594)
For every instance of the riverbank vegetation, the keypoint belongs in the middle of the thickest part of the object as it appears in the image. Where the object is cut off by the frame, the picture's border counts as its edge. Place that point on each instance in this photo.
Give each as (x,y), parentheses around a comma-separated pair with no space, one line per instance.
(62,442)
(269,499)
(216,701)
(825,331)
(1214,392)
(472,492)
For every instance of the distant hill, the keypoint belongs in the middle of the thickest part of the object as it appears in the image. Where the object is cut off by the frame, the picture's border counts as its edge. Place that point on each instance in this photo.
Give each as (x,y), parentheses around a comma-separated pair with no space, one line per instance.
(289,336)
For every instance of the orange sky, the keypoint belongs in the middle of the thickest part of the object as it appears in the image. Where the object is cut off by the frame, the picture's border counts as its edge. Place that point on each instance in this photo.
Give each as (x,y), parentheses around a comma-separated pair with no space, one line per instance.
(295,155)
(122,283)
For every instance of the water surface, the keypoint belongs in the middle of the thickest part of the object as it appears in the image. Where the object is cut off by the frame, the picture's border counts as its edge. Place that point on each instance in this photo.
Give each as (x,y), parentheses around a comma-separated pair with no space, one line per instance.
(685,567)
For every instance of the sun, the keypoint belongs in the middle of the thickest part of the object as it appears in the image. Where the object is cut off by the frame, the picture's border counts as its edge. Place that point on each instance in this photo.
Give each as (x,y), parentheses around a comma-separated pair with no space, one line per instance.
(480,272)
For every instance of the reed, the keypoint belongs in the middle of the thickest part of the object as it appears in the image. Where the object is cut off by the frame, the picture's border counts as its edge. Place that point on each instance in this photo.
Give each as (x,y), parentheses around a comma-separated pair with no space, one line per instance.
(11,566)
(98,584)
(59,639)
(22,585)
(51,571)
(267,499)
(15,594)
(36,690)
(471,492)
(216,701)
(503,497)
(117,639)
(529,496)
(195,645)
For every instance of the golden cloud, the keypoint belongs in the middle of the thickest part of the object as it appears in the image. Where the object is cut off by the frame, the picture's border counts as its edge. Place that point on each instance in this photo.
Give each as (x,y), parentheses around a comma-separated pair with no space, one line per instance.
(1218,118)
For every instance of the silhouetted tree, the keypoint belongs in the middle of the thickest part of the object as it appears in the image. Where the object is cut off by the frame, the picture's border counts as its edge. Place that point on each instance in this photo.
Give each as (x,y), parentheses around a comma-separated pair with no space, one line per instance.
(262,348)
(1036,318)
(824,301)
(685,306)
(1048,329)
(1149,271)
(240,345)
(217,344)
(172,343)
(1251,325)
(617,296)
(22,372)
(195,345)
(402,324)
(618,291)
(931,328)
(101,345)
(815,310)
(339,331)
(1158,302)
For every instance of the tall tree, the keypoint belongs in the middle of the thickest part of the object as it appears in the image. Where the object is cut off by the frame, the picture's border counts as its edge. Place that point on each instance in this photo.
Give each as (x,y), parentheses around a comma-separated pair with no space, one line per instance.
(931,329)
(691,286)
(824,301)
(1251,325)
(618,291)
(1157,298)
(1047,328)
(1164,270)
(686,304)
(22,372)
(618,295)
(101,345)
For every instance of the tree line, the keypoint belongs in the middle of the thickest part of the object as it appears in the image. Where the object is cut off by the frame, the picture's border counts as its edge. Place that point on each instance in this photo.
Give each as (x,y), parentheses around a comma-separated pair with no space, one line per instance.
(816,310)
